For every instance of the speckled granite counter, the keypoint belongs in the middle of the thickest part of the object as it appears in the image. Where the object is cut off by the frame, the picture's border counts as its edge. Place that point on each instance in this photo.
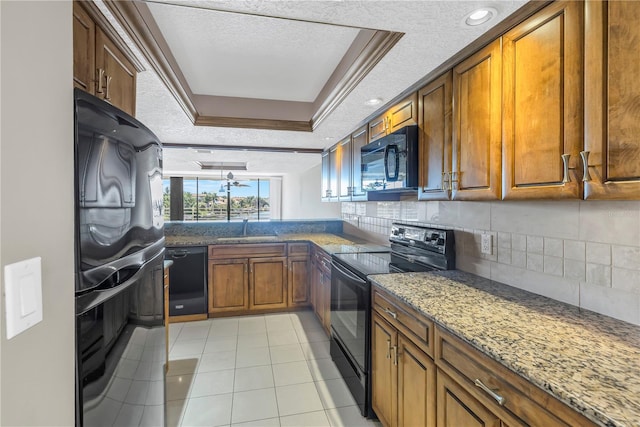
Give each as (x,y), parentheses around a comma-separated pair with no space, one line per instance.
(330,243)
(587,360)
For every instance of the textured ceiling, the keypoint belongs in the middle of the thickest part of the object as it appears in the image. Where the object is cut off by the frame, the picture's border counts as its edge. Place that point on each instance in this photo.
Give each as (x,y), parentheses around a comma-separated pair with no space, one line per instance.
(434,31)
(252,56)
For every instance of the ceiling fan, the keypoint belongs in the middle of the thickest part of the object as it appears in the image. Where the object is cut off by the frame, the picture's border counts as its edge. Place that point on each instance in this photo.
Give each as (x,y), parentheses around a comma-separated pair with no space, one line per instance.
(235,183)
(230,183)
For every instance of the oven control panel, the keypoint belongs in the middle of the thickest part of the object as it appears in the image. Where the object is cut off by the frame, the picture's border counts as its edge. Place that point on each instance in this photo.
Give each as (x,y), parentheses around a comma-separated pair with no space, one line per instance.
(432,239)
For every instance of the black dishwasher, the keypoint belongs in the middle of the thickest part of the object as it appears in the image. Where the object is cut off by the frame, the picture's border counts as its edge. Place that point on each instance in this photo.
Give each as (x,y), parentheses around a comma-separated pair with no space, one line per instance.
(187,280)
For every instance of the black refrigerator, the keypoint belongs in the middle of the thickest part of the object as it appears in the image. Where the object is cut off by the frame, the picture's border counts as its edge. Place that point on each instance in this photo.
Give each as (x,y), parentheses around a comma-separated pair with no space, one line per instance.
(119,251)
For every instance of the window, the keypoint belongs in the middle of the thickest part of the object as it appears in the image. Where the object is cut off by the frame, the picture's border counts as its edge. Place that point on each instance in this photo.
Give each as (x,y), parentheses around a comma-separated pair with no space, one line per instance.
(205,199)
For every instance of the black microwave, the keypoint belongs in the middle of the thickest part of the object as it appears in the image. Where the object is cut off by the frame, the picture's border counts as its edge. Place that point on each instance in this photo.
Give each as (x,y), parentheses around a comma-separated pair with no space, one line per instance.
(390,164)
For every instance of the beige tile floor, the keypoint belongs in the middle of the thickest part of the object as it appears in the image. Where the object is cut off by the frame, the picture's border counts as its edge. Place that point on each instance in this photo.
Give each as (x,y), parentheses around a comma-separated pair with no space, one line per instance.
(265,370)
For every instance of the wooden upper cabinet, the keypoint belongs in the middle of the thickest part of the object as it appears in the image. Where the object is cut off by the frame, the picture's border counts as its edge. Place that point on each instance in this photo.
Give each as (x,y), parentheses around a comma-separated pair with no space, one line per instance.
(434,108)
(612,99)
(84,50)
(325,187)
(335,158)
(477,94)
(118,83)
(344,194)
(404,113)
(99,66)
(359,139)
(542,104)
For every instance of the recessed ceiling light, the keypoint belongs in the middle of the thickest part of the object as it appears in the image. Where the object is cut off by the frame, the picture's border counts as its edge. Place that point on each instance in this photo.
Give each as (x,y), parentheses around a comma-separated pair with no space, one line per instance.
(480,16)
(373,101)
(328,138)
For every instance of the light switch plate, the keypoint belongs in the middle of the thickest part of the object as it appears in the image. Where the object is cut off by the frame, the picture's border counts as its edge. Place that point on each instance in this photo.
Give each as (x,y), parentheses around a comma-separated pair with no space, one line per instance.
(23,295)
(487,244)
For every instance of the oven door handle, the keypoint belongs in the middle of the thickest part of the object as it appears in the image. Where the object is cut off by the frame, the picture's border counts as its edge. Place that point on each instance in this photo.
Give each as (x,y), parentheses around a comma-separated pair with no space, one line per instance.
(349,275)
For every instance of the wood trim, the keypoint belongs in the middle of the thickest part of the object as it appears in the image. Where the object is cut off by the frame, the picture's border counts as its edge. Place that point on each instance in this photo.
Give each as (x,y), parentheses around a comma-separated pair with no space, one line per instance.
(260,311)
(188,318)
(96,14)
(130,15)
(239,122)
(379,45)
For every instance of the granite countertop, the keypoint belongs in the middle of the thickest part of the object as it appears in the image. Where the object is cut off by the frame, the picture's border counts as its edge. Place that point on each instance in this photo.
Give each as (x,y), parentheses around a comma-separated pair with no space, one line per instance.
(587,360)
(330,243)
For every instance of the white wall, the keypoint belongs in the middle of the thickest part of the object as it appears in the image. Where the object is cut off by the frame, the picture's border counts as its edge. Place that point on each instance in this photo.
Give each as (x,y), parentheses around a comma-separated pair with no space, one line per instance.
(584,253)
(301,197)
(36,206)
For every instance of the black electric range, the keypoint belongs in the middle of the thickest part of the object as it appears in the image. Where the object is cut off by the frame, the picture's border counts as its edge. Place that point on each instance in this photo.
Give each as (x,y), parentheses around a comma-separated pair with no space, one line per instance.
(413,248)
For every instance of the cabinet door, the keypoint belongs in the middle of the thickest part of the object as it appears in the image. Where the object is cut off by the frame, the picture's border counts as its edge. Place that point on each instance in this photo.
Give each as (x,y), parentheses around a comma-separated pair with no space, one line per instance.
(334,170)
(268,282)
(358,139)
(228,285)
(477,121)
(318,307)
(84,49)
(383,370)
(326,302)
(416,386)
(119,81)
(435,139)
(378,127)
(612,99)
(298,281)
(326,171)
(344,194)
(542,115)
(456,407)
(404,113)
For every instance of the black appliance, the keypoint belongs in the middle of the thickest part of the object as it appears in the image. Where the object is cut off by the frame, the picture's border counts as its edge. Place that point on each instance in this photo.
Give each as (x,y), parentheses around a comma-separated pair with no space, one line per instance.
(119,247)
(413,248)
(390,164)
(188,278)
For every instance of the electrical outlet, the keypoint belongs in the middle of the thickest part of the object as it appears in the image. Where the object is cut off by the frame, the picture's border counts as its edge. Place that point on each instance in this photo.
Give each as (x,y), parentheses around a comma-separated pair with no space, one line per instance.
(487,244)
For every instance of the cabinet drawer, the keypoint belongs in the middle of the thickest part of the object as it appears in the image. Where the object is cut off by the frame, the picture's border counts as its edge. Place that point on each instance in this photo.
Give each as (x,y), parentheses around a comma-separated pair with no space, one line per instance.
(405,319)
(247,250)
(524,403)
(297,249)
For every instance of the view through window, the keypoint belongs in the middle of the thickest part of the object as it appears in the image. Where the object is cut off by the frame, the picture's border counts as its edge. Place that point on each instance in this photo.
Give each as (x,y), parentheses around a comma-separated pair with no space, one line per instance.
(207,199)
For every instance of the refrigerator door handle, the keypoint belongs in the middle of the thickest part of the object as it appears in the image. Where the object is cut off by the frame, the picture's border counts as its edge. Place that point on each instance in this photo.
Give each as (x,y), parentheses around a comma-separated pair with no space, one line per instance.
(92,299)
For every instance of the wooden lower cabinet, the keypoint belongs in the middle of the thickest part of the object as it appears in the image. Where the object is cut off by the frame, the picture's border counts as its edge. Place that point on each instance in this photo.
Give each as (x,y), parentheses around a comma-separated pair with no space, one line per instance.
(456,407)
(268,283)
(403,379)
(321,287)
(228,285)
(298,280)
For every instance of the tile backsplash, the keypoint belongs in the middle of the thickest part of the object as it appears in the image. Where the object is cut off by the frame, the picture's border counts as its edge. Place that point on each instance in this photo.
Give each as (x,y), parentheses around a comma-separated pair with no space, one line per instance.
(581,252)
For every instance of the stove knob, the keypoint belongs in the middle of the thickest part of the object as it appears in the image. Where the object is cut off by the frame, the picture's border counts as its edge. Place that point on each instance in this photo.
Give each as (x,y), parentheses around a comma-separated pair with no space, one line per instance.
(440,242)
(434,236)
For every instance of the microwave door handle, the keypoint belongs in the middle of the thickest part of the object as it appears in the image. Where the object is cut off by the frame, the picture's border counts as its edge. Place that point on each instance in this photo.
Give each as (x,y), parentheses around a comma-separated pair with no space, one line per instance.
(387,150)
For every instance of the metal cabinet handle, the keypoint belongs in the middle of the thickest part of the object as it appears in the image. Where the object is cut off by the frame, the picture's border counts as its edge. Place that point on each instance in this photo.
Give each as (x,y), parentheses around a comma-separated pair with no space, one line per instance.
(388,349)
(390,313)
(454,178)
(99,80)
(586,176)
(565,168)
(446,185)
(490,392)
(395,355)
(108,85)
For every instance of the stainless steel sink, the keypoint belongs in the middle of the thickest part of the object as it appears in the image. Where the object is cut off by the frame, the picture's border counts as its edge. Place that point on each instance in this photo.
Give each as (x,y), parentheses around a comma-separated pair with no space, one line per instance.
(266,237)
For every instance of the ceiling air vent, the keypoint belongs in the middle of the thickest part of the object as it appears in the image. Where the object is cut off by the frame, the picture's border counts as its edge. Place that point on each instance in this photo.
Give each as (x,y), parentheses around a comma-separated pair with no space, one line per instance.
(218,166)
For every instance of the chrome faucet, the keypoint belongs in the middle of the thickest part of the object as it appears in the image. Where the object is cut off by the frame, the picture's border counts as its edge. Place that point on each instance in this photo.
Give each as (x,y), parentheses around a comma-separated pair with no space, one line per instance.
(245,222)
